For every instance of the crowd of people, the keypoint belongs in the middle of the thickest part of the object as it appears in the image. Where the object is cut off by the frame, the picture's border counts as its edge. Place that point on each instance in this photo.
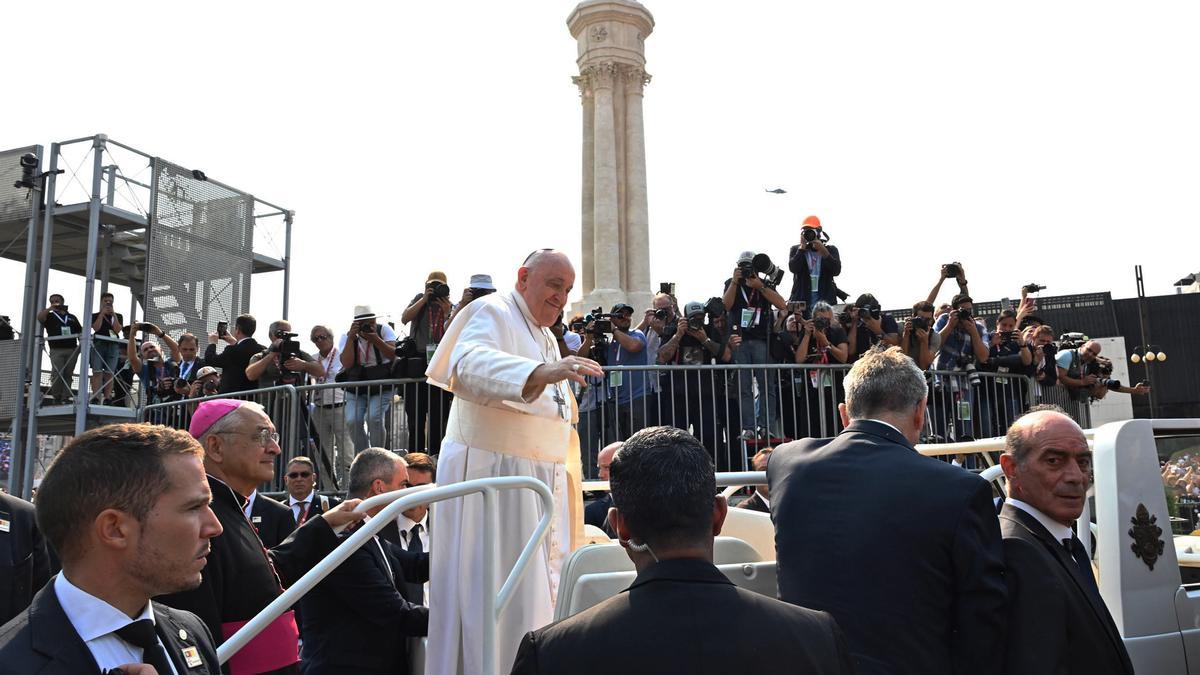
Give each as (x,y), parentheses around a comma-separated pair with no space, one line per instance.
(983,371)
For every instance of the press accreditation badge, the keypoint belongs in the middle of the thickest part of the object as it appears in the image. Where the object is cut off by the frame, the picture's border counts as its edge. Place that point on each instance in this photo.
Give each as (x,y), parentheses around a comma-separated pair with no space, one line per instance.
(256,519)
(191,656)
(748,317)
(615,378)
(5,525)
(66,331)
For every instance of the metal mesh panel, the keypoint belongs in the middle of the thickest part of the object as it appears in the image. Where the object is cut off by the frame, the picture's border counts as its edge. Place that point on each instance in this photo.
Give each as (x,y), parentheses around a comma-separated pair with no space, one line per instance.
(200,252)
(10,355)
(16,204)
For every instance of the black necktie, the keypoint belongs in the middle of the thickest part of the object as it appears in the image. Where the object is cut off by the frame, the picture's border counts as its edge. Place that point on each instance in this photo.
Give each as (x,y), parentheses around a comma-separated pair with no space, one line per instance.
(414,539)
(140,633)
(1082,562)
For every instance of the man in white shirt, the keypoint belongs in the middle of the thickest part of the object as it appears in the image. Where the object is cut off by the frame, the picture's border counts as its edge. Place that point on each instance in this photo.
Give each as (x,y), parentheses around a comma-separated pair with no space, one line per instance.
(328,411)
(126,508)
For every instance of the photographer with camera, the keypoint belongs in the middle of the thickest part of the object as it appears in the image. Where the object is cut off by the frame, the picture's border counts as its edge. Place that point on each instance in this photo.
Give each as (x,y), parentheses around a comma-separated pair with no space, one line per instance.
(659,323)
(427,316)
(820,340)
(964,346)
(366,353)
(207,383)
(62,330)
(1008,352)
(918,339)
(1045,370)
(954,271)
(868,326)
(480,285)
(751,302)
(1086,374)
(626,348)
(594,427)
(156,372)
(814,264)
(283,362)
(106,350)
(691,344)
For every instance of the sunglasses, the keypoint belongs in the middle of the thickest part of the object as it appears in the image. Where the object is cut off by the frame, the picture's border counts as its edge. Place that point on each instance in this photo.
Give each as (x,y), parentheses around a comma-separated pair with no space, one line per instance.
(299,474)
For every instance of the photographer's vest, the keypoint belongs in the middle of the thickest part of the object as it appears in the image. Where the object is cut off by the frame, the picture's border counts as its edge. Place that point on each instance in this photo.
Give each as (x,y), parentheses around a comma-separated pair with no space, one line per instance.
(1075,372)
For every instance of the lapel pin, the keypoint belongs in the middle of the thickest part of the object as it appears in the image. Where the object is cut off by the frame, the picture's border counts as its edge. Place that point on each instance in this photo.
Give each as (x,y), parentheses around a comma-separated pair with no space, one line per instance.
(182,634)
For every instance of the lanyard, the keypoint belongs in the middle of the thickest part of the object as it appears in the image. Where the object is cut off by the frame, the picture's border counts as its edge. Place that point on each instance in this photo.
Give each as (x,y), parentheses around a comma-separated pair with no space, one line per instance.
(437,323)
(329,362)
(185,368)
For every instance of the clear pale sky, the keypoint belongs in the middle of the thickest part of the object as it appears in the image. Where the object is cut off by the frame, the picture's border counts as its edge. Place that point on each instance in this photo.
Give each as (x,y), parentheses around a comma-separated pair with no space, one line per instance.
(1048,142)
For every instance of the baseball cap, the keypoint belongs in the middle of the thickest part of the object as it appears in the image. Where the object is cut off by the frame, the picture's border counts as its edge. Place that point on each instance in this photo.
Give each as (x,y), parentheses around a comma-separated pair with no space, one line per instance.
(621,307)
(693,308)
(205,372)
(811,221)
(746,256)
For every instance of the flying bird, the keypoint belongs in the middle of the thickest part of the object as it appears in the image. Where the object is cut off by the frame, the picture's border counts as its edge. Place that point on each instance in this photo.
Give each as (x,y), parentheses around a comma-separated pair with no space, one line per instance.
(778,191)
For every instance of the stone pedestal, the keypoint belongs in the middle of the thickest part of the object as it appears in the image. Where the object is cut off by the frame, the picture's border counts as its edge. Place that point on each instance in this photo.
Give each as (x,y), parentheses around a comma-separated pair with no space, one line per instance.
(615,223)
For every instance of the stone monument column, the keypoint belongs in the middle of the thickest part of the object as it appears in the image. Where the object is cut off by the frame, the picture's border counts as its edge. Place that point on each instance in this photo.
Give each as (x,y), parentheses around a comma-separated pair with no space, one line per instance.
(615,222)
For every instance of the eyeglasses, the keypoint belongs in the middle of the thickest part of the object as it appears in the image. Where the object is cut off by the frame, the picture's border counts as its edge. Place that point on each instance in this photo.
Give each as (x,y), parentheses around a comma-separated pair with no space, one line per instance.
(318,338)
(263,436)
(299,474)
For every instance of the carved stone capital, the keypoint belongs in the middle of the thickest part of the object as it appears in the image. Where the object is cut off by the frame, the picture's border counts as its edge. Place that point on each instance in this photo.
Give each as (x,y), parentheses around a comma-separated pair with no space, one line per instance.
(635,80)
(584,82)
(601,75)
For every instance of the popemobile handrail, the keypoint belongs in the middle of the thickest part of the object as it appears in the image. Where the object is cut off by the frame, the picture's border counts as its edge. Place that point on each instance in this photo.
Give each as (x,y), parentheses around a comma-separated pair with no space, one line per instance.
(401,500)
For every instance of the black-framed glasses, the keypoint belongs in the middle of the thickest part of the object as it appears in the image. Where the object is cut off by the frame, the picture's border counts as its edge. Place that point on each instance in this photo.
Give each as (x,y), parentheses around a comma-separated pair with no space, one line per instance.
(263,436)
(299,474)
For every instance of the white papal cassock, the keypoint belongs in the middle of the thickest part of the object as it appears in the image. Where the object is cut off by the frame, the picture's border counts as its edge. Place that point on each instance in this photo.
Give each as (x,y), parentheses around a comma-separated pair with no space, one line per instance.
(485,358)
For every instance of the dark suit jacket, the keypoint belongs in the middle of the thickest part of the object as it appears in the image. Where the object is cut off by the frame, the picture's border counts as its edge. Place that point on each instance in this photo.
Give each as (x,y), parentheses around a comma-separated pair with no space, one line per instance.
(42,640)
(903,550)
(412,591)
(314,508)
(669,621)
(1056,623)
(356,621)
(596,513)
(232,362)
(275,521)
(802,282)
(754,503)
(24,559)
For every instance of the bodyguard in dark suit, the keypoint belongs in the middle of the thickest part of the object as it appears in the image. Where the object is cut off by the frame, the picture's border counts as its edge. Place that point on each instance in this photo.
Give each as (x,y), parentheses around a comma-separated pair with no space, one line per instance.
(1058,622)
(126,507)
(234,359)
(675,616)
(356,620)
(24,561)
(903,550)
(760,500)
(272,520)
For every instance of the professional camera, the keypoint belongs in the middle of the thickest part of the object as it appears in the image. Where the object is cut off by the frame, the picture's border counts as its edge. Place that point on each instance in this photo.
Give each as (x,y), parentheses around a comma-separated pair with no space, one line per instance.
(870,308)
(662,314)
(920,323)
(289,348)
(820,323)
(29,166)
(366,327)
(772,275)
(6,329)
(1008,336)
(166,384)
(962,314)
(1032,288)
(1071,341)
(602,322)
(210,387)
(714,307)
(577,325)
(440,290)
(746,267)
(809,236)
(695,322)
(953,270)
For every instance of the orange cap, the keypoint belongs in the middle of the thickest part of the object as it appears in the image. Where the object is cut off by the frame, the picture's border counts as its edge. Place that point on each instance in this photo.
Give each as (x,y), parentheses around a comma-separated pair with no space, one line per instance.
(812,221)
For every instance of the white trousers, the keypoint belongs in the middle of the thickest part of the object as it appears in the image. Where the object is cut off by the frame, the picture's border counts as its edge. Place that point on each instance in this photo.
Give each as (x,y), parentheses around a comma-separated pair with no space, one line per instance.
(456,561)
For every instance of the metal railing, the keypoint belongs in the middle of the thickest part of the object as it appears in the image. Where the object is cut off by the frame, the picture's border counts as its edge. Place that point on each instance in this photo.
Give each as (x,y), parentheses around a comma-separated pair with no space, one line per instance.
(398,501)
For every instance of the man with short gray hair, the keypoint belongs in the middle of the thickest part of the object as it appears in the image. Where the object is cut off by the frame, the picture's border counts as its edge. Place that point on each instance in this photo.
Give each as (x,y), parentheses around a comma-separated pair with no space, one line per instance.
(903,550)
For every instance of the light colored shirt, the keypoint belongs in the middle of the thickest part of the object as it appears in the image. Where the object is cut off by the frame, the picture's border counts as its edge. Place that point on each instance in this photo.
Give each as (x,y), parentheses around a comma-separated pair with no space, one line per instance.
(573,341)
(405,525)
(366,351)
(332,363)
(1055,528)
(250,503)
(294,504)
(96,622)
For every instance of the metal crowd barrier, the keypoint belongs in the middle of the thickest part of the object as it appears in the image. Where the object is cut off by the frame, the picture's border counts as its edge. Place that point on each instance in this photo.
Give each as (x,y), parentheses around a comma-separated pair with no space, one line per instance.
(733,409)
(400,500)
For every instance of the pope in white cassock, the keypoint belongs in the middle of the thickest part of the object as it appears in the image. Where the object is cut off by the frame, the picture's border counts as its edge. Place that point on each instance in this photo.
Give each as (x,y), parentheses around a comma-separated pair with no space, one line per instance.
(512,416)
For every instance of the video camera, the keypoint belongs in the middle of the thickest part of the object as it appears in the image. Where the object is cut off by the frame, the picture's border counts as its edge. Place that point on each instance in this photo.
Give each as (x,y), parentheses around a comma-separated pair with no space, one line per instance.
(1032,288)
(1071,341)
(602,322)
(289,347)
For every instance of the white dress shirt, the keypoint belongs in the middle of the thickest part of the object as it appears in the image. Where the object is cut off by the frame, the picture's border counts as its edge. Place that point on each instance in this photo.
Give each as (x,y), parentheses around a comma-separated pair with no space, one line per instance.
(250,503)
(96,622)
(294,504)
(405,525)
(1055,528)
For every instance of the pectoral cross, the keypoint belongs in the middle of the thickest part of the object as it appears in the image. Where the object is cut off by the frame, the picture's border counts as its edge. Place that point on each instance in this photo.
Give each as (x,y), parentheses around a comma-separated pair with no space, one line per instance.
(562,402)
